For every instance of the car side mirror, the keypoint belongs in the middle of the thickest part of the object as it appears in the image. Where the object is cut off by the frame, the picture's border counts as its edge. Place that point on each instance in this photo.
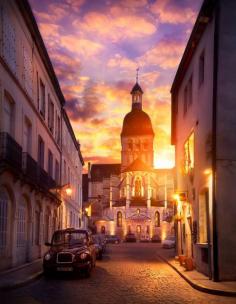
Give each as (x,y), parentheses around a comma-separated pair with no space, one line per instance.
(48,244)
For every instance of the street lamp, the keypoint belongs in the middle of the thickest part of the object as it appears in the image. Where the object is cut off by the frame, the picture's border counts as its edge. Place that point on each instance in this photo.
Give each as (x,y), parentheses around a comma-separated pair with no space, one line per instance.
(67,188)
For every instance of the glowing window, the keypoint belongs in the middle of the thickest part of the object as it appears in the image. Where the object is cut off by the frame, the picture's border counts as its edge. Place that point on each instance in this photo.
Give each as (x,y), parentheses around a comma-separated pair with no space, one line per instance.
(119,219)
(189,154)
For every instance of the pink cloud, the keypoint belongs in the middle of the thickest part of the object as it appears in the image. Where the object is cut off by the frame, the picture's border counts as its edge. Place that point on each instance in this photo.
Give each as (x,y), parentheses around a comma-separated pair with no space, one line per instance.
(169,12)
(115,25)
(165,54)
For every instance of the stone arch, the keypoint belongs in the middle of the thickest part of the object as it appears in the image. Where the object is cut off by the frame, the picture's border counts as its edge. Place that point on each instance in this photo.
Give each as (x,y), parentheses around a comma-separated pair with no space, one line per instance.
(23,229)
(7,209)
(37,222)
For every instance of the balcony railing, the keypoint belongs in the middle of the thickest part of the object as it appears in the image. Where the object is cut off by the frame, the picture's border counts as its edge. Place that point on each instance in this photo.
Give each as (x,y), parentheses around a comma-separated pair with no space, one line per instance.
(30,168)
(10,153)
(11,157)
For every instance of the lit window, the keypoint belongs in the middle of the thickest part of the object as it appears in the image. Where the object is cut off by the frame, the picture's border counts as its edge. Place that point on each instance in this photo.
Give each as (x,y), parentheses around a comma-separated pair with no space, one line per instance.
(157,219)
(119,219)
(189,154)
(137,187)
(203,203)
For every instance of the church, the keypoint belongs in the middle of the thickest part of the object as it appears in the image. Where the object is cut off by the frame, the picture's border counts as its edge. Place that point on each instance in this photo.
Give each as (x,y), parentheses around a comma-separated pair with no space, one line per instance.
(131,197)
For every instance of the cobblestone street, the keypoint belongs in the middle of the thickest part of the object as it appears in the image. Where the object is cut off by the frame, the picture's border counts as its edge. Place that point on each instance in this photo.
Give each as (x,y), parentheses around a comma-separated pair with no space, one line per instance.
(129,273)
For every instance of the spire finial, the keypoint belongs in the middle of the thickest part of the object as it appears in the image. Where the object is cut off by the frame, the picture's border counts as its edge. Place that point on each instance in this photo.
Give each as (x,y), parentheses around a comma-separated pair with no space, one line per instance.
(137,70)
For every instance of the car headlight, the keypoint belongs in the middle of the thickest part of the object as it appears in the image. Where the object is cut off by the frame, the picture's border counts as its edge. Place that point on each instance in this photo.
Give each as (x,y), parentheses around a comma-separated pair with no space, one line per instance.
(83,255)
(47,256)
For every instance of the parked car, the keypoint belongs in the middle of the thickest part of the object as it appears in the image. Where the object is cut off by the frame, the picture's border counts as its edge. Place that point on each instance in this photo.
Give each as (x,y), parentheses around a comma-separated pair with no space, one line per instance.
(145,238)
(112,239)
(98,246)
(130,237)
(156,238)
(169,242)
(71,250)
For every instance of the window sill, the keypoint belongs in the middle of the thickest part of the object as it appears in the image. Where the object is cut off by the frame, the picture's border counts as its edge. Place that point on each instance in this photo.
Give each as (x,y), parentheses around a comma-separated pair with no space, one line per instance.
(202,245)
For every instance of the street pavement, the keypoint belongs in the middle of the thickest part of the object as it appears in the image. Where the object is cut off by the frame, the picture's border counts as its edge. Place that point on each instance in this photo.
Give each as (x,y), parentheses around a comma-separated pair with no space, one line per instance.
(129,273)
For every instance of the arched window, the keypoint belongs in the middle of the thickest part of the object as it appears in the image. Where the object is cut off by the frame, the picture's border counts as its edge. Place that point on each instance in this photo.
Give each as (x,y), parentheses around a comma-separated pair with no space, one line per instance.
(137,187)
(22,220)
(103,229)
(119,219)
(157,219)
(4,214)
(36,224)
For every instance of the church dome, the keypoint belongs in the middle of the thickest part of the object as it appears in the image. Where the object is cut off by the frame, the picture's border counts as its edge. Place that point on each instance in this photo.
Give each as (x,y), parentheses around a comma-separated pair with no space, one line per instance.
(137,122)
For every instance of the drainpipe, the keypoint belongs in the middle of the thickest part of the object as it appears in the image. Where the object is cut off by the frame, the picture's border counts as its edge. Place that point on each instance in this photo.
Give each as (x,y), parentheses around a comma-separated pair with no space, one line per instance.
(215,268)
(60,144)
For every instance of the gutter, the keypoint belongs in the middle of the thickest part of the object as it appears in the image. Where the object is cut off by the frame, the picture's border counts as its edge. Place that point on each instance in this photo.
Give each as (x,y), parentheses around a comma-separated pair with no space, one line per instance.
(215,268)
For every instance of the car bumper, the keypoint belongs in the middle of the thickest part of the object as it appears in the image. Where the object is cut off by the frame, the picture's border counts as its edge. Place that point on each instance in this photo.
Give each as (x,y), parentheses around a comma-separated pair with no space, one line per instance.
(66,267)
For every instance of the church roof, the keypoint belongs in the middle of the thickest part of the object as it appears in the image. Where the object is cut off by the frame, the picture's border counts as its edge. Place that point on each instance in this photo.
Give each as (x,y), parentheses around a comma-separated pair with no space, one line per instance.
(138,165)
(136,88)
(137,122)
(101,171)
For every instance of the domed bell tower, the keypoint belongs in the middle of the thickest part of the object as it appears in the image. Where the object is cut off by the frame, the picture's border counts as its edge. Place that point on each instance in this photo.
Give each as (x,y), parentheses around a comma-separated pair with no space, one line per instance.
(137,134)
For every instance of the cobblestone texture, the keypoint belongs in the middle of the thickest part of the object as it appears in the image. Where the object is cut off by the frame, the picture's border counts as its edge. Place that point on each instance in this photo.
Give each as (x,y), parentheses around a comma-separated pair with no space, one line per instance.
(129,273)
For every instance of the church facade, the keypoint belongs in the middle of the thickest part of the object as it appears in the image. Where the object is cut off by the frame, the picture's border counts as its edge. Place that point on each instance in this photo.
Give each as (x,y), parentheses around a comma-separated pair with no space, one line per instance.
(132,197)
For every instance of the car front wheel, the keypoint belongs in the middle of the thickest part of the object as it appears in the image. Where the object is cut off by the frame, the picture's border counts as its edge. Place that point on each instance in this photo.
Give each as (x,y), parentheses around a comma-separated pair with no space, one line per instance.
(88,270)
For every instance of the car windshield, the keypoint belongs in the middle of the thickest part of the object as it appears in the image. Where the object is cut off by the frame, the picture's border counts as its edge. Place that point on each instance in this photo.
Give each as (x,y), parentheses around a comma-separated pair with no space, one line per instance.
(69,238)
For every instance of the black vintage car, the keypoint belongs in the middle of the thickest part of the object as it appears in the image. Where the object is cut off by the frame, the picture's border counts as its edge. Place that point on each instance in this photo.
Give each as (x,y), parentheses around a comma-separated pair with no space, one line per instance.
(71,250)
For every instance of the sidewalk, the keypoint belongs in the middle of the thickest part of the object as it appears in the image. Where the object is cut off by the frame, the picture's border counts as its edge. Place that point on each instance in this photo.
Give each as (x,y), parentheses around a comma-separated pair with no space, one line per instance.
(196,279)
(21,275)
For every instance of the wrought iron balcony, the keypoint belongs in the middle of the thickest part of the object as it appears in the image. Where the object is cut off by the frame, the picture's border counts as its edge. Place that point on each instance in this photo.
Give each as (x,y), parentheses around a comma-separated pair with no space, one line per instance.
(30,168)
(43,179)
(10,153)
(51,182)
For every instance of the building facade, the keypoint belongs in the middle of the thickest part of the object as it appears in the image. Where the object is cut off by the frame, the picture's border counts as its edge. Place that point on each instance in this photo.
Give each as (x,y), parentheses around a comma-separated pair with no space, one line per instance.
(33,128)
(203,131)
(133,196)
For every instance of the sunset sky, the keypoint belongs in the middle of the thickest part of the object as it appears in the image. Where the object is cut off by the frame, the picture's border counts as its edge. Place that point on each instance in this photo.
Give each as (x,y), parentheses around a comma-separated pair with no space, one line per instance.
(96,46)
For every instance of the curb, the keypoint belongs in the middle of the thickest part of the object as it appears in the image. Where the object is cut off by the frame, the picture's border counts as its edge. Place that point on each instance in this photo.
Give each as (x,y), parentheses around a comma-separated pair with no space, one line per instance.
(21,283)
(200,287)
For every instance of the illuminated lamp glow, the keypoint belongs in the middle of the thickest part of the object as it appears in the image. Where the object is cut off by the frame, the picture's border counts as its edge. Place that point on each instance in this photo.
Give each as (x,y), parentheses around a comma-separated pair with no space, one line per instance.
(207,171)
(68,191)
